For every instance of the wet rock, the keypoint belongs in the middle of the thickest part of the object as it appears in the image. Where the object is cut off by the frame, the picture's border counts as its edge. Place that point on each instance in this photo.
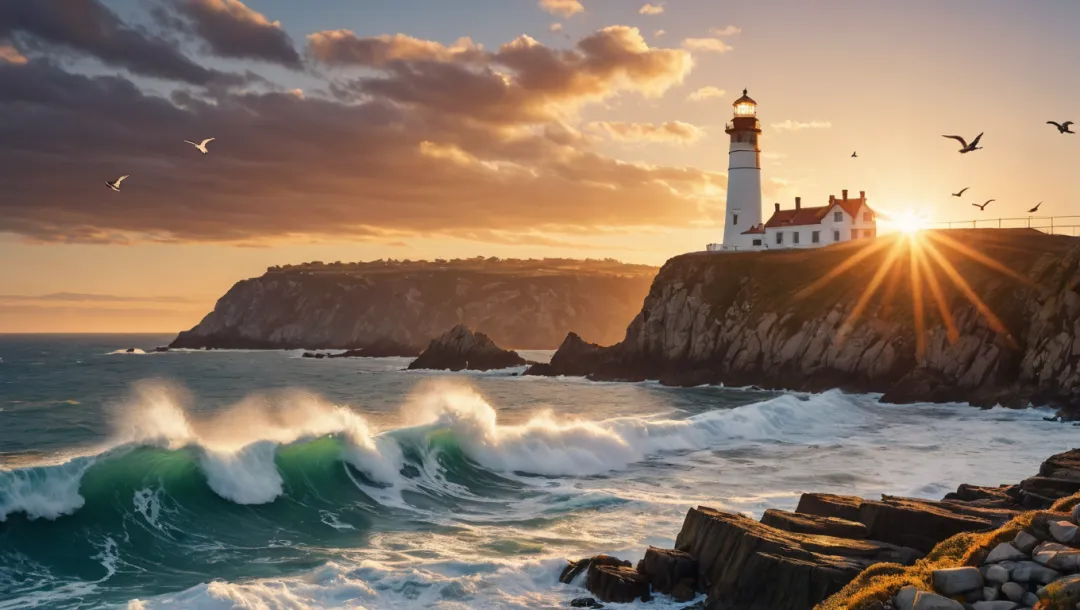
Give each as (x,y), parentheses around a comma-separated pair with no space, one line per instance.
(460,348)
(1013,591)
(915,524)
(1063,531)
(957,581)
(1005,552)
(828,505)
(752,566)
(813,524)
(995,605)
(571,571)
(910,598)
(617,584)
(684,591)
(666,569)
(574,358)
(585,602)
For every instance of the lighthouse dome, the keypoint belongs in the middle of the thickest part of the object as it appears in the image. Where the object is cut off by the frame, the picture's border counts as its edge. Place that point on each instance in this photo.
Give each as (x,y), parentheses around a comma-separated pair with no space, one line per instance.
(745,105)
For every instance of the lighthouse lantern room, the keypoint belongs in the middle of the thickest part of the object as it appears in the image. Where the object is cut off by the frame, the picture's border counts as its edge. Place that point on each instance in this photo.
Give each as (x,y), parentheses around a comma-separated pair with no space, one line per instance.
(743,225)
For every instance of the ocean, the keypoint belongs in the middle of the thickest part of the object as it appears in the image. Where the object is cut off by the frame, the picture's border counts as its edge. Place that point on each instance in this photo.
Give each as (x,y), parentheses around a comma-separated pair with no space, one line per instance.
(236,479)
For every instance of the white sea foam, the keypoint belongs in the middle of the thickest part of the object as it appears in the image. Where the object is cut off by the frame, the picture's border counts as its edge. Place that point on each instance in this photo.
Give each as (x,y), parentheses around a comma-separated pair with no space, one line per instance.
(43,492)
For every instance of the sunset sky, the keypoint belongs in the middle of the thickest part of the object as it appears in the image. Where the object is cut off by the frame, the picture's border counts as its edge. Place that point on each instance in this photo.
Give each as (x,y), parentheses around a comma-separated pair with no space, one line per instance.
(365,129)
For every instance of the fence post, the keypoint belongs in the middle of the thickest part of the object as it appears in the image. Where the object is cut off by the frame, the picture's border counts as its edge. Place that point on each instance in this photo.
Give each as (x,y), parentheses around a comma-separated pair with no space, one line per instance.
(999,223)
(1051,225)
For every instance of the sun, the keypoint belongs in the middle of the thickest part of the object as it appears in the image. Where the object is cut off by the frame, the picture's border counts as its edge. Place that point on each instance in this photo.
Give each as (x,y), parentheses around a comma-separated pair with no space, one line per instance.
(909,223)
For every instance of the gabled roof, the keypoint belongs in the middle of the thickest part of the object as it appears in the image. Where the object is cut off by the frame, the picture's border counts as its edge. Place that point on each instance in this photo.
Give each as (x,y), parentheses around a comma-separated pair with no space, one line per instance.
(755,230)
(813,216)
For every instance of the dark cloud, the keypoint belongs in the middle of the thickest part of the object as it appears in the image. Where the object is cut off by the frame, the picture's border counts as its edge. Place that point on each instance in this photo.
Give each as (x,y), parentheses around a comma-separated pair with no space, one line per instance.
(439,142)
(231,29)
(87,26)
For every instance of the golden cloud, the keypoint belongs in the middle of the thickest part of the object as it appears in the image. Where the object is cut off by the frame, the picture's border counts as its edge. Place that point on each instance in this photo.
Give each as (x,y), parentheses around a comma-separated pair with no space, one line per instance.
(671,131)
(706,93)
(652,9)
(564,8)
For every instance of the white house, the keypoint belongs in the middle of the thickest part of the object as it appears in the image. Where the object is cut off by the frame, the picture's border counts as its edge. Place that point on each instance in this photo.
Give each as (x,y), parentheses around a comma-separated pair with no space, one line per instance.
(842,220)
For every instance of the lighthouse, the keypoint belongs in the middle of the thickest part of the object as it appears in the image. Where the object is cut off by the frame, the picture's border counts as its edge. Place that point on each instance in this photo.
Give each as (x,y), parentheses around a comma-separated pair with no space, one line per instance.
(742,222)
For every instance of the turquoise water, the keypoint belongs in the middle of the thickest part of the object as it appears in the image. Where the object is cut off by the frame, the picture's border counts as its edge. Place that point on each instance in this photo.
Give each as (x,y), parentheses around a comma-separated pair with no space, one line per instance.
(261,479)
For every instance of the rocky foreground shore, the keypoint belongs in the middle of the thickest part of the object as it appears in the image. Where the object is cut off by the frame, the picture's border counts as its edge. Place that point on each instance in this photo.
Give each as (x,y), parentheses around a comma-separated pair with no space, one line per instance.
(986,317)
(798,560)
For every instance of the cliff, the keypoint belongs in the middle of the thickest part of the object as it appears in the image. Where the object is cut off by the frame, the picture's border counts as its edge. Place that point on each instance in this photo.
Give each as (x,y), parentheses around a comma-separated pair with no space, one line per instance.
(980,316)
(391,307)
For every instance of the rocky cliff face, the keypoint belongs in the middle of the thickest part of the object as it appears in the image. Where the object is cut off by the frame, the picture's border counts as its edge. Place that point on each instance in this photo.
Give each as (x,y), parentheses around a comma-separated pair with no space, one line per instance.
(981,316)
(400,307)
(462,349)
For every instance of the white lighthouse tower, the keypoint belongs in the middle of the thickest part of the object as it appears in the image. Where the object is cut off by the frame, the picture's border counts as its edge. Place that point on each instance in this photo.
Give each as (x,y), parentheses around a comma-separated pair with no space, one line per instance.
(742,223)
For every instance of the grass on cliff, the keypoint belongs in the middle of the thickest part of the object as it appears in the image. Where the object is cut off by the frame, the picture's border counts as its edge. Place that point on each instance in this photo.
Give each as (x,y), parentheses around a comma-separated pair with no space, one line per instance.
(883,581)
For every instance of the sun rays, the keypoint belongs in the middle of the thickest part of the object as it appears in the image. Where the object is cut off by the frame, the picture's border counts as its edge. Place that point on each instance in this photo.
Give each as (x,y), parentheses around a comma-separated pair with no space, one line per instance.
(920,261)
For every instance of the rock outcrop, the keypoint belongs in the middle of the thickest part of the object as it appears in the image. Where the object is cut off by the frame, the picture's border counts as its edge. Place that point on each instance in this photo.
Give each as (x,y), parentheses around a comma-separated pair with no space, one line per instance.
(794,561)
(994,318)
(460,349)
(398,307)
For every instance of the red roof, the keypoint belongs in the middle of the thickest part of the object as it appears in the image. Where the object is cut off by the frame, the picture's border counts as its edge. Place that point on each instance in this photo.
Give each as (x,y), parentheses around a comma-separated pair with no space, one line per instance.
(813,216)
(759,229)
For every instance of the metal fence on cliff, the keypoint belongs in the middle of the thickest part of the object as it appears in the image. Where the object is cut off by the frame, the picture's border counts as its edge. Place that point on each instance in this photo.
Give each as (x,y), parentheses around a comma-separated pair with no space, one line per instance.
(1054,225)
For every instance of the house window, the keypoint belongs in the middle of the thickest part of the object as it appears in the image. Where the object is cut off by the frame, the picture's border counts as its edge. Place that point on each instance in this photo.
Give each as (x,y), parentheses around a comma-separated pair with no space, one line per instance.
(795,237)
(854,234)
(868,216)
(836,235)
(838,217)
(780,238)
(815,237)
(757,242)
(735,220)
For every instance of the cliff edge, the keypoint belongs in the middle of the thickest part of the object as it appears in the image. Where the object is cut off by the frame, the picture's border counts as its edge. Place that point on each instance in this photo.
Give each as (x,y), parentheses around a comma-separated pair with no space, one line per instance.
(398,307)
(981,316)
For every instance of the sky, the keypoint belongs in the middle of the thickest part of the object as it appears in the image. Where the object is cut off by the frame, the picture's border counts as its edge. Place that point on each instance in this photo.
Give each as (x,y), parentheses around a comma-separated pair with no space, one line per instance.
(420,129)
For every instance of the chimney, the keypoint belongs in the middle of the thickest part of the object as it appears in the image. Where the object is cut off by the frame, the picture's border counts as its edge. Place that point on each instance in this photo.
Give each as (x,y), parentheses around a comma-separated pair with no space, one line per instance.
(862,195)
(798,203)
(845,194)
(778,207)
(832,199)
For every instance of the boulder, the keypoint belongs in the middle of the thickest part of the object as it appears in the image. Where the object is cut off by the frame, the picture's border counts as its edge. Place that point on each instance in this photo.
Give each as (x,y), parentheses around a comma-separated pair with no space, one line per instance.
(1063,593)
(571,571)
(910,598)
(828,505)
(801,523)
(684,591)
(974,493)
(1031,572)
(574,358)
(1057,557)
(996,574)
(585,602)
(918,525)
(460,349)
(617,584)
(995,605)
(991,593)
(1049,488)
(748,565)
(1005,552)
(1062,466)
(1025,542)
(957,581)
(1063,531)
(666,569)
(1014,591)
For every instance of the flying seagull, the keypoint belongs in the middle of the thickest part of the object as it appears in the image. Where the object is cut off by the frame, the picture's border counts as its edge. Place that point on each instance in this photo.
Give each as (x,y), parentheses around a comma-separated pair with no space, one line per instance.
(1035,209)
(202,146)
(961,193)
(855,155)
(967,147)
(1062,127)
(983,206)
(115,184)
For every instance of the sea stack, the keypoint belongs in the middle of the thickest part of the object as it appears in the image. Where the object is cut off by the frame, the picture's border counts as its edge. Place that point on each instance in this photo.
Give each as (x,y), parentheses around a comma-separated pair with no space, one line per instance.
(462,349)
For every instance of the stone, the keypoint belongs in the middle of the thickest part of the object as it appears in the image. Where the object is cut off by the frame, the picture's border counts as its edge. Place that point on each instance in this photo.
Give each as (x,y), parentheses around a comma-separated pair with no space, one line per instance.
(828,505)
(1005,552)
(918,525)
(991,593)
(910,598)
(574,358)
(751,566)
(585,602)
(1013,591)
(1064,592)
(995,605)
(1057,556)
(1025,542)
(1031,572)
(957,581)
(665,569)
(996,574)
(1076,514)
(571,571)
(684,591)
(617,584)
(1063,531)
(460,348)
(801,523)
